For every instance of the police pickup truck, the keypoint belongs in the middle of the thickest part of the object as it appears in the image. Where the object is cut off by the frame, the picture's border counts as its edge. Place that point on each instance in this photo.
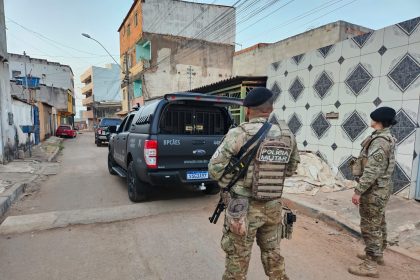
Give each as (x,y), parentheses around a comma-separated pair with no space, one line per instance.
(169,142)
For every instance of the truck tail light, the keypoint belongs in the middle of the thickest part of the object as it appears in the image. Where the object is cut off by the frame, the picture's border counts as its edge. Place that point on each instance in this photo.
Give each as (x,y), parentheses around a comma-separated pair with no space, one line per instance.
(150,153)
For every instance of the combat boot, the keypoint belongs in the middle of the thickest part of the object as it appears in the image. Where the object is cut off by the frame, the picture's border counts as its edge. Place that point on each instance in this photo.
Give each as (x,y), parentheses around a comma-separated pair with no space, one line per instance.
(368,268)
(379,260)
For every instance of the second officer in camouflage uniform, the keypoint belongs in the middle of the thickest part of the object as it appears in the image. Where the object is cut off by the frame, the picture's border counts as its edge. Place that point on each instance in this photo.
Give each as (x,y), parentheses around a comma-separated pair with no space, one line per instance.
(263,217)
(374,189)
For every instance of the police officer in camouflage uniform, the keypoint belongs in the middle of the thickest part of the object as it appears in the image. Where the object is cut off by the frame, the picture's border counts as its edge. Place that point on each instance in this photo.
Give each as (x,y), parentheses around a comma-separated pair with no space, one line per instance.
(374,189)
(263,217)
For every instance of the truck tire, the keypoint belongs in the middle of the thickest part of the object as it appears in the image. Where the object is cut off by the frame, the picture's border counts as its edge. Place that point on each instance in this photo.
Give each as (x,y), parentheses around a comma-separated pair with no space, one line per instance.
(111,163)
(212,189)
(98,143)
(137,190)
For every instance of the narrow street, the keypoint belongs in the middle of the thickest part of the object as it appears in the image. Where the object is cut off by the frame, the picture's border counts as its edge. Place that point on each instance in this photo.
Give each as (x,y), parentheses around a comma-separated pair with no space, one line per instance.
(176,245)
(82,182)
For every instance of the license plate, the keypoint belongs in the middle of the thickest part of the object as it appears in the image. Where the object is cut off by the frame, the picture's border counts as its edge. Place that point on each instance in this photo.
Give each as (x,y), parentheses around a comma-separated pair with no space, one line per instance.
(197,175)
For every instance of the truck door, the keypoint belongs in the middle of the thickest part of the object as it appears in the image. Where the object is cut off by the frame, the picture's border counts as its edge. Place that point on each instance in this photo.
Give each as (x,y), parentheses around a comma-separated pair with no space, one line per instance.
(122,139)
(116,153)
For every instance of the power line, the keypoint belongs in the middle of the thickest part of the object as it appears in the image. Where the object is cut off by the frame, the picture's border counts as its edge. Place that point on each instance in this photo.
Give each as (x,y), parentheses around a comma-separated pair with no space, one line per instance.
(297,18)
(222,32)
(219,18)
(266,16)
(47,38)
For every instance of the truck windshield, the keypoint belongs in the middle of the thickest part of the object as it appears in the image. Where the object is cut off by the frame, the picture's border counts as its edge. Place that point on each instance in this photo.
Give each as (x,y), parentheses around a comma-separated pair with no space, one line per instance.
(110,122)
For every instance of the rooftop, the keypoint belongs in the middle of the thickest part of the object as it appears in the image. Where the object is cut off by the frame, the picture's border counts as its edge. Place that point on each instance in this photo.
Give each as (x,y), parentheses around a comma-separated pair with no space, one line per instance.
(40,60)
(228,83)
(192,3)
(326,26)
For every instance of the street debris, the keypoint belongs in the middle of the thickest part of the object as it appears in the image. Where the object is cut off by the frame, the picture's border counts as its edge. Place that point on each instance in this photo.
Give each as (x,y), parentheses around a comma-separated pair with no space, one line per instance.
(314,175)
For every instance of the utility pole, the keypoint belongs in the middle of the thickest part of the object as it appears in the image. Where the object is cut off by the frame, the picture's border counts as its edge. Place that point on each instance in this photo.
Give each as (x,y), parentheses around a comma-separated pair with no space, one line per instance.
(127,82)
(26,81)
(190,73)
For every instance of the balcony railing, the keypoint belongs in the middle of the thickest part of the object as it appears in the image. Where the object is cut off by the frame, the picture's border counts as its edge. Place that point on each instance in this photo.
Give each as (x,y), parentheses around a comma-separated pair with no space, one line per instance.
(87,101)
(87,76)
(87,88)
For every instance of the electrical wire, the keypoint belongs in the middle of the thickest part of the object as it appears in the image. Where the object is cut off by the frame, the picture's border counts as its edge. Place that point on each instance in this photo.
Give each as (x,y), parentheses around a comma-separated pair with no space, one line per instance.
(222,32)
(47,38)
(297,18)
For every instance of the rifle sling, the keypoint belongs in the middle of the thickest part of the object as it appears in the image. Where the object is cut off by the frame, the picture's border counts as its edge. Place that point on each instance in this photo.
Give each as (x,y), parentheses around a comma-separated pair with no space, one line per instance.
(249,156)
(263,130)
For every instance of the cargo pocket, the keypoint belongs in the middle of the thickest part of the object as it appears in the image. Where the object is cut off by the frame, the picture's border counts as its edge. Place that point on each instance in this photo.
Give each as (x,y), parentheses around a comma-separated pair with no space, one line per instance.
(227,244)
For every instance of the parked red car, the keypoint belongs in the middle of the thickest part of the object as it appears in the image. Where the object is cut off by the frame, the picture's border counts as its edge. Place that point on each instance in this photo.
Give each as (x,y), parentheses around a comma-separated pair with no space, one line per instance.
(66,131)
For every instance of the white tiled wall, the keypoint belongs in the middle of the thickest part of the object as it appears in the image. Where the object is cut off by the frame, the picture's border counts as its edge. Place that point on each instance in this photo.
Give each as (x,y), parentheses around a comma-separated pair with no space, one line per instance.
(359,75)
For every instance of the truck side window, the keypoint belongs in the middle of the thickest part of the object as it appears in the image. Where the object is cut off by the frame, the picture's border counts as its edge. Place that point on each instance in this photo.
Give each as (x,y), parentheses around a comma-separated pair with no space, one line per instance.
(128,123)
(121,127)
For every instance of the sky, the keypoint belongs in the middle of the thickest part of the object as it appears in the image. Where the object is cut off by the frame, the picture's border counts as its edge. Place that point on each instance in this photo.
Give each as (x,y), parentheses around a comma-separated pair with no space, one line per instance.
(51,29)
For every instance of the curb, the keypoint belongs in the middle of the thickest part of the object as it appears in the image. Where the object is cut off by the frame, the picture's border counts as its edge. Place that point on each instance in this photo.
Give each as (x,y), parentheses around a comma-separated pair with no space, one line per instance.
(332,219)
(54,154)
(329,217)
(10,196)
(61,219)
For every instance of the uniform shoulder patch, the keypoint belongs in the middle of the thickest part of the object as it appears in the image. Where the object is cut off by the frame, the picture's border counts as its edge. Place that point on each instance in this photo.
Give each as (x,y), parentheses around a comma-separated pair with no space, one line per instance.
(378,156)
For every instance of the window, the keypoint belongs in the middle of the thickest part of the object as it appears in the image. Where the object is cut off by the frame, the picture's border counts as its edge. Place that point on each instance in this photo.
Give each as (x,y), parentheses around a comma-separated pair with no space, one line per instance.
(128,29)
(16,73)
(136,19)
(143,50)
(120,128)
(62,127)
(109,122)
(138,91)
(129,121)
(184,119)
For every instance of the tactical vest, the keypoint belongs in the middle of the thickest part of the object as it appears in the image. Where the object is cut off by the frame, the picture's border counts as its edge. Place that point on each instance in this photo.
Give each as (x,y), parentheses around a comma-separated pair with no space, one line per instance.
(270,165)
(358,165)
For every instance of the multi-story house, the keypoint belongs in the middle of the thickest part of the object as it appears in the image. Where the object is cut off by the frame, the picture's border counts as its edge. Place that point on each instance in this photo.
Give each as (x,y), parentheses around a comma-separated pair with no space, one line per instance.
(170,45)
(102,92)
(50,74)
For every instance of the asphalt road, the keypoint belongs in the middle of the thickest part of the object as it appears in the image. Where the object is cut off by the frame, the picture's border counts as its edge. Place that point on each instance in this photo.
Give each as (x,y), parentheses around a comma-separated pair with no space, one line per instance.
(176,245)
(84,182)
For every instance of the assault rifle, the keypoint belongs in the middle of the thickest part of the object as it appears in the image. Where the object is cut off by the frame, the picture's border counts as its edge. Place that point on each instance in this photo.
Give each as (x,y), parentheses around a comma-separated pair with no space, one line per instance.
(238,165)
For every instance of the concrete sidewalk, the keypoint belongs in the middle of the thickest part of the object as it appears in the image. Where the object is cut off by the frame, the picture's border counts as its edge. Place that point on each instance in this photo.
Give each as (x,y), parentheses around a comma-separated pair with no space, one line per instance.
(403,217)
(16,175)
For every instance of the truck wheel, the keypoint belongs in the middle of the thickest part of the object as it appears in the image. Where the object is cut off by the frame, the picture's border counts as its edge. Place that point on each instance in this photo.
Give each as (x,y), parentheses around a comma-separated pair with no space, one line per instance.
(136,189)
(111,163)
(212,189)
(98,143)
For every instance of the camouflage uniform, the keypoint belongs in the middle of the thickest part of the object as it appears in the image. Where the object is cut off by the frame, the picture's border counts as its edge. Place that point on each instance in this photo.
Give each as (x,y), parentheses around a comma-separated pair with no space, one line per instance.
(375,187)
(264,218)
